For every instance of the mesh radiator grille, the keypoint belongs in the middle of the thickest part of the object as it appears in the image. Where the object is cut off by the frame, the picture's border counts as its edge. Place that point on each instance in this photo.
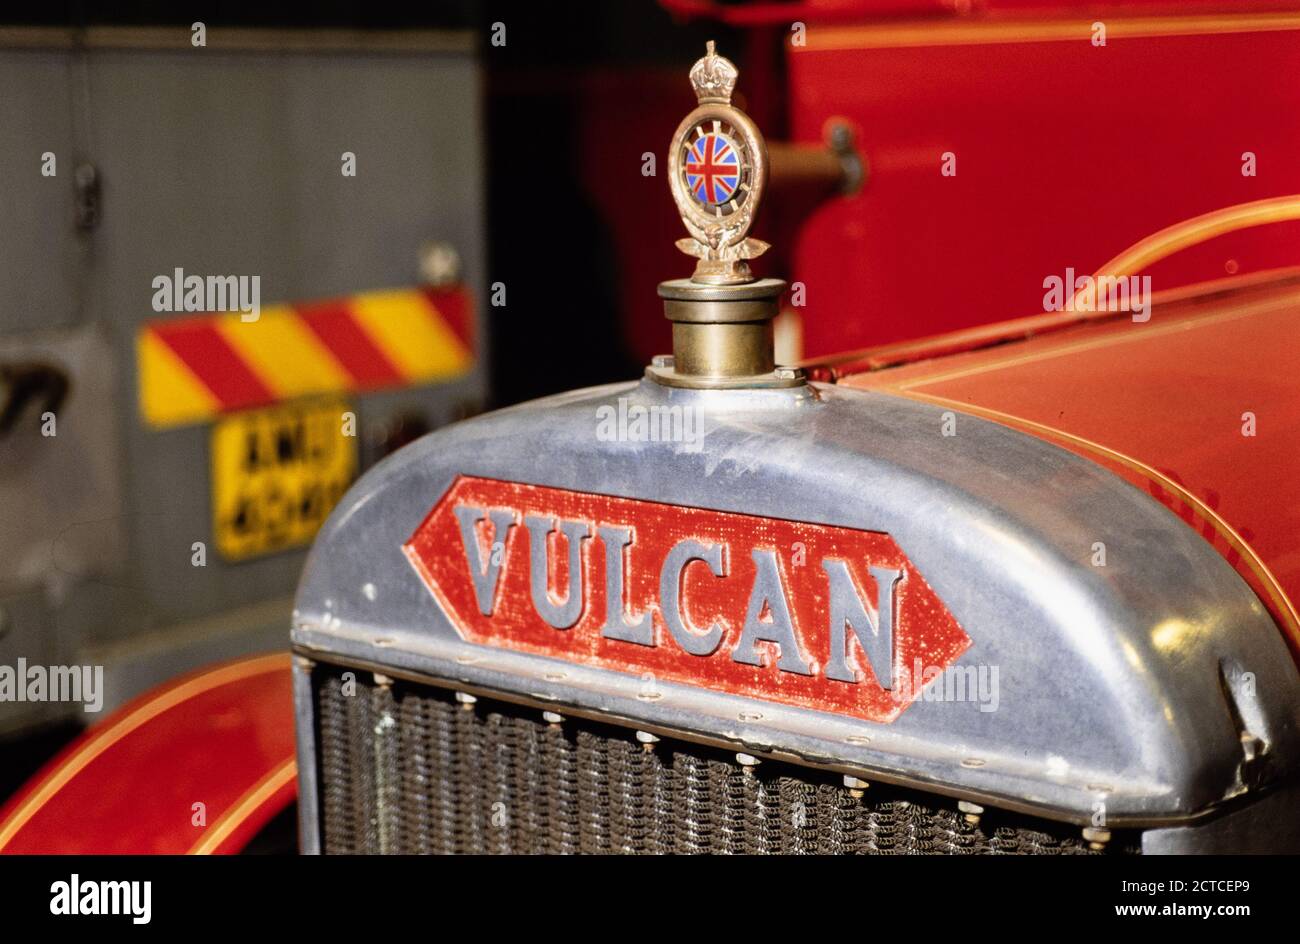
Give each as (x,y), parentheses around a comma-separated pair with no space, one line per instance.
(406,769)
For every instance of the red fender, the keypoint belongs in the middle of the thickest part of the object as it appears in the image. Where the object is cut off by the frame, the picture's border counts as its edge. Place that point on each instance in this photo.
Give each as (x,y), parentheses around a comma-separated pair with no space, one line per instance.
(222,736)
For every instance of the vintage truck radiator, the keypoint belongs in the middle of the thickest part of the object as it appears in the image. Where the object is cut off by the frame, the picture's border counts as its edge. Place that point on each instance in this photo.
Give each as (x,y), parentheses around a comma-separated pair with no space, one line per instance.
(1096,717)
(405,768)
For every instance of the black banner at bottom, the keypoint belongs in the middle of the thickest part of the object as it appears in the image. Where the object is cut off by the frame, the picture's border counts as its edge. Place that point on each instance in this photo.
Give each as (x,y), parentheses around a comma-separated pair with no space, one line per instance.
(242,894)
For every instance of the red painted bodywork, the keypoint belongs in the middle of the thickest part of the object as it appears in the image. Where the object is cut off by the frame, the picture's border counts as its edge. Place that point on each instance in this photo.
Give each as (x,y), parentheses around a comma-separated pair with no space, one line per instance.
(1162,403)
(925,632)
(223,737)
(782,13)
(1064,152)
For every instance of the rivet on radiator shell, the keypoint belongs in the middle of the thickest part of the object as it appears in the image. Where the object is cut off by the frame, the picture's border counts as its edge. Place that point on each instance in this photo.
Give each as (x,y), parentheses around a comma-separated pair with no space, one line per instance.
(648,740)
(1097,838)
(466,700)
(857,786)
(552,717)
(383,681)
(748,762)
(973,811)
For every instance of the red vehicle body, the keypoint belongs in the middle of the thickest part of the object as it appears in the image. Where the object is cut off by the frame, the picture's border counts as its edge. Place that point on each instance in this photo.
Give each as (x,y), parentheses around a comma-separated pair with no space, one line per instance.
(1064,152)
(198,765)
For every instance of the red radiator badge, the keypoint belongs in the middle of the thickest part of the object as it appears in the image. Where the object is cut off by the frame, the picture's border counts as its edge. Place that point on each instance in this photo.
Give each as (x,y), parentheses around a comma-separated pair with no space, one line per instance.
(820,617)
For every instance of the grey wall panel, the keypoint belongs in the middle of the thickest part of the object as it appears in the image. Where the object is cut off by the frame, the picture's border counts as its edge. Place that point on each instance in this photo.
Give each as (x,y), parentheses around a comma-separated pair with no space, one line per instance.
(41,257)
(224,160)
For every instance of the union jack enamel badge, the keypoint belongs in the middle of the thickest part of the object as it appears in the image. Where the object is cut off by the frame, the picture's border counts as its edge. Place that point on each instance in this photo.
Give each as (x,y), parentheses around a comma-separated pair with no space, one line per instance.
(712,169)
(717,171)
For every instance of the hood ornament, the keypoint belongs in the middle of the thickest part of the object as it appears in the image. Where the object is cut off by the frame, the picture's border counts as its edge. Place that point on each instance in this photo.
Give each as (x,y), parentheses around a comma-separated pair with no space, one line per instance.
(722,315)
(718,169)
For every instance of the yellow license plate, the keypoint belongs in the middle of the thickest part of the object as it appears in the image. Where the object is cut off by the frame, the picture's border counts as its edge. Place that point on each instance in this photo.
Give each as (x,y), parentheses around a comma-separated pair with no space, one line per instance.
(276,473)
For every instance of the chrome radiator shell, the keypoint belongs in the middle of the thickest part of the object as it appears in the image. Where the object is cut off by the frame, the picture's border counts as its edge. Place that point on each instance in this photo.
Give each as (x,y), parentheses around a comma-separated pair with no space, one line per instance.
(1122,686)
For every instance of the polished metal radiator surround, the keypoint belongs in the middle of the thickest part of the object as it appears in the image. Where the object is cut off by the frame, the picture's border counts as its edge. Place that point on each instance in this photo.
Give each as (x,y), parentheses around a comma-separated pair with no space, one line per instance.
(406,768)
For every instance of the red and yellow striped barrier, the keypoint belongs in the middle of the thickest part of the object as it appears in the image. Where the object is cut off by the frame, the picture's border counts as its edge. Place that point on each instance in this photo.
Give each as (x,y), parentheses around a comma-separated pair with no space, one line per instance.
(194,368)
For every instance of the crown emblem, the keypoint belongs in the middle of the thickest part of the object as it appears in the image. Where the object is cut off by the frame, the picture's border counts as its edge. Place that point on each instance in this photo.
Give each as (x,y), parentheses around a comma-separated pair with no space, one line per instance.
(714,77)
(717,171)
(722,315)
